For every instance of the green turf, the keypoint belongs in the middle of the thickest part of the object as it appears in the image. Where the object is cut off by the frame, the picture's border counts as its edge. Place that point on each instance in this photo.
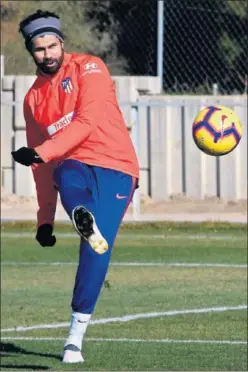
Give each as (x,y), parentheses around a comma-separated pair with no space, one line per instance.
(35,294)
(184,288)
(127,356)
(177,247)
(148,227)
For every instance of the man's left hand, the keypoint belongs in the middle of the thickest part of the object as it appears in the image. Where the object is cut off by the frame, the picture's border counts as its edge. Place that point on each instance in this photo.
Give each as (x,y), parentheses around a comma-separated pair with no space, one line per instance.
(26,156)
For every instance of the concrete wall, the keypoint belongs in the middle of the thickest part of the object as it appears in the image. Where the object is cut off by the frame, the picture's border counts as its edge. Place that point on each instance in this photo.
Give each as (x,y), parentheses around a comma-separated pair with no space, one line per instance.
(169,160)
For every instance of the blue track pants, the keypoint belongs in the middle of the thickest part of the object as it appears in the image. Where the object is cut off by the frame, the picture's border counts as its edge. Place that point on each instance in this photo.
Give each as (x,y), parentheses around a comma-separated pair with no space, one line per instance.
(106,194)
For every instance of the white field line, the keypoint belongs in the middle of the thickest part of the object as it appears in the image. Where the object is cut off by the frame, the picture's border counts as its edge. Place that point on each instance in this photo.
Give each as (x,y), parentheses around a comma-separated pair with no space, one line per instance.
(163,340)
(177,264)
(128,264)
(127,318)
(213,236)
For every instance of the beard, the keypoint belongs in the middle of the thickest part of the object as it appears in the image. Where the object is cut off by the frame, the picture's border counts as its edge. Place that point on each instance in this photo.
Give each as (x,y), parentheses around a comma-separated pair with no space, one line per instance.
(51,65)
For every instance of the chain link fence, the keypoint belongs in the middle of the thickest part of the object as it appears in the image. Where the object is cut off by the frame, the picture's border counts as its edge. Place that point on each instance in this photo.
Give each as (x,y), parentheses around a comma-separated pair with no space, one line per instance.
(205,46)
(205,43)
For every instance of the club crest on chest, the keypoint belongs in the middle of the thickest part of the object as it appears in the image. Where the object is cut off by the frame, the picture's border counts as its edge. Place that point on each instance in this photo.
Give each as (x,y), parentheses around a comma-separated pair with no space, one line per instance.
(67,85)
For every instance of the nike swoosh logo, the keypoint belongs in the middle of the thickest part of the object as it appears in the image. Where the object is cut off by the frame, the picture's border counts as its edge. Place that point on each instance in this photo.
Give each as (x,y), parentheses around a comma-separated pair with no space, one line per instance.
(118,196)
(223,117)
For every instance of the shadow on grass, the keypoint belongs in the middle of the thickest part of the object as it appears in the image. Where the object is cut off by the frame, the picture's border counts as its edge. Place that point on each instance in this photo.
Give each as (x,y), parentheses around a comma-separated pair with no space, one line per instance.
(24,367)
(8,348)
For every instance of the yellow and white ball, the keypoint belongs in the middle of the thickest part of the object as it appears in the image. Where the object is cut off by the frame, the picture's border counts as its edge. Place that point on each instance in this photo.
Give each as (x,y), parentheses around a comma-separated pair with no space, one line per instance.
(217,130)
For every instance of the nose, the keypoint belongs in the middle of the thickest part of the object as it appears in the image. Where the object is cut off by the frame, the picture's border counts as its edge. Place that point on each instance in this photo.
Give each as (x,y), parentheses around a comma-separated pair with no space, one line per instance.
(47,54)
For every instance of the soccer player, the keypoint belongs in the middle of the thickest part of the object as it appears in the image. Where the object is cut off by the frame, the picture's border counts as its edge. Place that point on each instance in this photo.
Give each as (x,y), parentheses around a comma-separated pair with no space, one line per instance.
(79,146)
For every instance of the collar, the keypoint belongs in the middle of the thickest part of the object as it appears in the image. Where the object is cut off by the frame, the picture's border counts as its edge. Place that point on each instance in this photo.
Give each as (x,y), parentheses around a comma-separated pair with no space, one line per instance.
(67,58)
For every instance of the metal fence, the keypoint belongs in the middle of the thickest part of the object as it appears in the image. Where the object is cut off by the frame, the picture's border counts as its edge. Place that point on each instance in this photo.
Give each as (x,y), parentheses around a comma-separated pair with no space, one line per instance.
(195,46)
(205,46)
(198,47)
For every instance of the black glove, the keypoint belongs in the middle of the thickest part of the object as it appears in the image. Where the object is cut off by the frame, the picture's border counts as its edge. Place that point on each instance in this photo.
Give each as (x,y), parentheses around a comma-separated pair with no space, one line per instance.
(44,235)
(26,156)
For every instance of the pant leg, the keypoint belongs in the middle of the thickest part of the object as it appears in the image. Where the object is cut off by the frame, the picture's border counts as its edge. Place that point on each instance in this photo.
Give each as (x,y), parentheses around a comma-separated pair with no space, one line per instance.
(112,192)
(74,183)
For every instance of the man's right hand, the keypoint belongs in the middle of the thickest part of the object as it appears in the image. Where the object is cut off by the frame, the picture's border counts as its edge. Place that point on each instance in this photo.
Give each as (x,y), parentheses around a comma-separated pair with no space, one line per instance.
(44,235)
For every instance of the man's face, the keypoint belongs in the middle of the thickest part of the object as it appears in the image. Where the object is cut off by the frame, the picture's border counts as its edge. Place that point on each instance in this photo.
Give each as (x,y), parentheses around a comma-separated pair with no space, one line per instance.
(48,53)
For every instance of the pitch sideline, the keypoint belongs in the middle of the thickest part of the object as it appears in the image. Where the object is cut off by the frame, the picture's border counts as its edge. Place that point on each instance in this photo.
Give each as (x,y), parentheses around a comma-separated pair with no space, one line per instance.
(128,264)
(213,236)
(130,317)
(163,340)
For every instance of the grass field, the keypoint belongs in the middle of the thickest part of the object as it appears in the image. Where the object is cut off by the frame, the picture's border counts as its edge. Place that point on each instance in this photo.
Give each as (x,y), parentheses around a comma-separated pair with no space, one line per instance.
(175,299)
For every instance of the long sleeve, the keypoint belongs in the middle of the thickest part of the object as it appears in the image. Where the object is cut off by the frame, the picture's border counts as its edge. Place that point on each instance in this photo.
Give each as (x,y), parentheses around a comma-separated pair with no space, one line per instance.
(92,97)
(42,173)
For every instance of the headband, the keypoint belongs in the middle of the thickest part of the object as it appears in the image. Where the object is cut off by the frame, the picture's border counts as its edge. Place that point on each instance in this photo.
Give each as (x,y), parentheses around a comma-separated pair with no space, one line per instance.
(42,26)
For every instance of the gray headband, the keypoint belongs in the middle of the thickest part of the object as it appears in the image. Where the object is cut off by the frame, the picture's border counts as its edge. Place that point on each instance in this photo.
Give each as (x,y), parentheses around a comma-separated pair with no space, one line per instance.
(42,26)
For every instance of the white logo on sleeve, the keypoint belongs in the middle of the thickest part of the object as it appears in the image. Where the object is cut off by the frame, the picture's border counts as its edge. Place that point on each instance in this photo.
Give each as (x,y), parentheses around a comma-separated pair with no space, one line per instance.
(91,68)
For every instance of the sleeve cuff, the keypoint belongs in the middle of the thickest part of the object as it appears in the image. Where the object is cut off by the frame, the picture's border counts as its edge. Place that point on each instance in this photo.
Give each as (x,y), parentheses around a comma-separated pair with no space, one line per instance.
(42,154)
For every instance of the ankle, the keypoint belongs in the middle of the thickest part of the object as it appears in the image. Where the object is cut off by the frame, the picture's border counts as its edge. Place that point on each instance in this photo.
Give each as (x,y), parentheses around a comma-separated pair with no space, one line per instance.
(79,324)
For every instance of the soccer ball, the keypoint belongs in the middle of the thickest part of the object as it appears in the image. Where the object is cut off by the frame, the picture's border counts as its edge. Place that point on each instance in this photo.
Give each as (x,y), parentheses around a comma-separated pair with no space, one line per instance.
(217,130)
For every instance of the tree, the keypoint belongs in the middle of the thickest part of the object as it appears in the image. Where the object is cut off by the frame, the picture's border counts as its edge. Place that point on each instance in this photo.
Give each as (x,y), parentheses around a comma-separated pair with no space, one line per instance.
(81,34)
(135,31)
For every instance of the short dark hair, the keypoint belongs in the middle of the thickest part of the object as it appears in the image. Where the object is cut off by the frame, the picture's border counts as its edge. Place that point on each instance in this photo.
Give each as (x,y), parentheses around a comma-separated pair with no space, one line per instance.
(38,14)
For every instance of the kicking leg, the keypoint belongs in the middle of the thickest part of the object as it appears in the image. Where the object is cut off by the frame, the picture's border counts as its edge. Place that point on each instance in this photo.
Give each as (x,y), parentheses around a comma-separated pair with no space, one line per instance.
(74,181)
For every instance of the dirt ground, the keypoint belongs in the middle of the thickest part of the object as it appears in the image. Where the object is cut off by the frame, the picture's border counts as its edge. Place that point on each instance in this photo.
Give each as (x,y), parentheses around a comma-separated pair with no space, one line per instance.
(181,203)
(21,207)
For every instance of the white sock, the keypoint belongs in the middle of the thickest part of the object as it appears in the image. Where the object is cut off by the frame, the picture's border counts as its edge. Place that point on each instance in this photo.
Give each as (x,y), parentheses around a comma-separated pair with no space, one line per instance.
(79,323)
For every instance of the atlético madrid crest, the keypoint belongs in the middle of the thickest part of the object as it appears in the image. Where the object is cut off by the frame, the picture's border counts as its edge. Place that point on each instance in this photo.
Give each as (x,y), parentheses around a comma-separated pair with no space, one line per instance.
(67,85)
